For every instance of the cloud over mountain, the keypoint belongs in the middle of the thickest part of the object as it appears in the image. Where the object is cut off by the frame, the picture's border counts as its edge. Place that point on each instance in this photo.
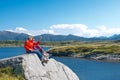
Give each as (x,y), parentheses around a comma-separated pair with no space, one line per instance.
(83,30)
(75,29)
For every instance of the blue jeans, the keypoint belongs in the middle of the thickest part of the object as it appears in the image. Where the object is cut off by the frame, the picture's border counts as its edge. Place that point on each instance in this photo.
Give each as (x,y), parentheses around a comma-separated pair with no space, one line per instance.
(36,52)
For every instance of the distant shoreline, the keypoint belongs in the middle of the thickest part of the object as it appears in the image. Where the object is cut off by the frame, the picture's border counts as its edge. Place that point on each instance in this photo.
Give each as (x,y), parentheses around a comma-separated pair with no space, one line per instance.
(23,46)
(102,58)
(107,58)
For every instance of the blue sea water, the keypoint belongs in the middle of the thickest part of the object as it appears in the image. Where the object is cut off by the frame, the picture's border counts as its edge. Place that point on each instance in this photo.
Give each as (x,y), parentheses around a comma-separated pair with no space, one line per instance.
(85,69)
(92,70)
(13,51)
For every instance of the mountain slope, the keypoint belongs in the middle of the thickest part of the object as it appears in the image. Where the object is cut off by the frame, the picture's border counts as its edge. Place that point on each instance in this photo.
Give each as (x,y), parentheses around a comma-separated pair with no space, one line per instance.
(7,35)
(50,37)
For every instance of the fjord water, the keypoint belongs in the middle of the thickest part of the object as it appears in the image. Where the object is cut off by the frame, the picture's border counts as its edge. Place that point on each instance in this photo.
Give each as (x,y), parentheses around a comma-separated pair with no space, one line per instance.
(85,69)
(92,70)
(13,51)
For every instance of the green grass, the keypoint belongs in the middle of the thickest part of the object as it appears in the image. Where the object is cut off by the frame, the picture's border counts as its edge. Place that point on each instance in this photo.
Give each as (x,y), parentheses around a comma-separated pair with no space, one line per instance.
(8,73)
(86,49)
(10,43)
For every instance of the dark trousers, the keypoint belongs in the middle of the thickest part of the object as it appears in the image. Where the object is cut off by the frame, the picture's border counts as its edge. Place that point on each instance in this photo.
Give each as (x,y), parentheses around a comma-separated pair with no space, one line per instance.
(36,52)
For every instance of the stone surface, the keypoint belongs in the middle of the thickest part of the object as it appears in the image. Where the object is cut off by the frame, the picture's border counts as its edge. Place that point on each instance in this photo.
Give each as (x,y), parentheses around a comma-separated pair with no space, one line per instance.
(108,58)
(34,70)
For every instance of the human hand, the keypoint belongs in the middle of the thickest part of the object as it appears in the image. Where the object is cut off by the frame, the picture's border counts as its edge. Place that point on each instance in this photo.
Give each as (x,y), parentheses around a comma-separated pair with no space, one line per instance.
(31,50)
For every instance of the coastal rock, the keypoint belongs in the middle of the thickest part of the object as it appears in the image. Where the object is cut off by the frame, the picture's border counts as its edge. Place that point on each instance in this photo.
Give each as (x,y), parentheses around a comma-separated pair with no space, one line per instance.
(109,58)
(34,70)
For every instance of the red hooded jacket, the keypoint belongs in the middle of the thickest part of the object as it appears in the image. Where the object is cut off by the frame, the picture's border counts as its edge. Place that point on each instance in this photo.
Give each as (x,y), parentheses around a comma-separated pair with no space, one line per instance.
(29,45)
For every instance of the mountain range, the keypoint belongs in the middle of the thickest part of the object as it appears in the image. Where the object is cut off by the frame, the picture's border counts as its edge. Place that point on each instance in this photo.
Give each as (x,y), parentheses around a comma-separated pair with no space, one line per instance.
(7,35)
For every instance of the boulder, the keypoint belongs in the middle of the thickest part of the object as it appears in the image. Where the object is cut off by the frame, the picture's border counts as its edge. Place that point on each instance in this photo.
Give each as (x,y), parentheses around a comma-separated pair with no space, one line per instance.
(33,69)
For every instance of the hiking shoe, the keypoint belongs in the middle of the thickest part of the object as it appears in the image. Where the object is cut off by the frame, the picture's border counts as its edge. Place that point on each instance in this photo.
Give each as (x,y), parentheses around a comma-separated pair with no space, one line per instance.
(45,61)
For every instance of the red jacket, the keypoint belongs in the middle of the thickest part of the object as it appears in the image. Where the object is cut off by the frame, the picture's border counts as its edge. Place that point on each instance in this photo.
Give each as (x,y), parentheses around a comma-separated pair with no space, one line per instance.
(29,45)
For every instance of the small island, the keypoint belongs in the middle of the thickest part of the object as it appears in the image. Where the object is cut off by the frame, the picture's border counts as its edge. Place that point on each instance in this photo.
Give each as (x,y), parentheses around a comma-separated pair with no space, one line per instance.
(99,50)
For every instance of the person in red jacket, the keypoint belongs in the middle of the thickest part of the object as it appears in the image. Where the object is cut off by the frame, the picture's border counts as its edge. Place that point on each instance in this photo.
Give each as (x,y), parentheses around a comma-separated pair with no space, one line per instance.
(29,45)
(36,45)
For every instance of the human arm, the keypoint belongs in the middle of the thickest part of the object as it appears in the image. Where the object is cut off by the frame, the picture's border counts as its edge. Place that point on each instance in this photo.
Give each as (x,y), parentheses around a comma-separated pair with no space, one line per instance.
(38,42)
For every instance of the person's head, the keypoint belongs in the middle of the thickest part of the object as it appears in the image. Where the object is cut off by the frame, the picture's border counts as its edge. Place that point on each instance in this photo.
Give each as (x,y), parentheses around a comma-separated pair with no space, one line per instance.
(30,38)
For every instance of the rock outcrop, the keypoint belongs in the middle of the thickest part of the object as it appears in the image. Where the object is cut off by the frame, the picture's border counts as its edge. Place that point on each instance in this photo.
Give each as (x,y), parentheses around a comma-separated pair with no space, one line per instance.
(108,58)
(34,70)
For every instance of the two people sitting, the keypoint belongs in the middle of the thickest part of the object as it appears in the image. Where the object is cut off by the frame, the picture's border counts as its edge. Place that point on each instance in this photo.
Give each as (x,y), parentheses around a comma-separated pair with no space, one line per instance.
(33,46)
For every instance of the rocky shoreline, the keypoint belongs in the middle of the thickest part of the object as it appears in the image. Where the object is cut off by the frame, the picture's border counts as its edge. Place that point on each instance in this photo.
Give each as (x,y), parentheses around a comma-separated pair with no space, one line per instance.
(105,58)
(108,58)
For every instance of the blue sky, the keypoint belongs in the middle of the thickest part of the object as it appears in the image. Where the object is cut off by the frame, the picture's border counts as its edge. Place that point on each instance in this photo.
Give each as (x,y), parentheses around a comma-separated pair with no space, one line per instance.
(87,18)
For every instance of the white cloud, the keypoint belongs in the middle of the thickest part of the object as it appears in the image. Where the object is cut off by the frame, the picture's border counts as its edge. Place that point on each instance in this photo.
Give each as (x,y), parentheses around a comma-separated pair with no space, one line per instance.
(20,29)
(39,32)
(83,30)
(68,28)
(75,29)
(32,32)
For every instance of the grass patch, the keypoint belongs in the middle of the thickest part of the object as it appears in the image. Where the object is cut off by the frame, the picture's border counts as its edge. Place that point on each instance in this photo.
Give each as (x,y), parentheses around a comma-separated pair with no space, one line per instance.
(8,73)
(86,49)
